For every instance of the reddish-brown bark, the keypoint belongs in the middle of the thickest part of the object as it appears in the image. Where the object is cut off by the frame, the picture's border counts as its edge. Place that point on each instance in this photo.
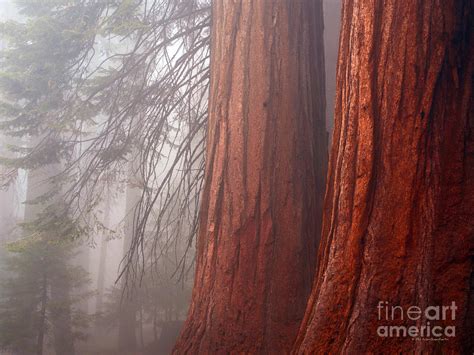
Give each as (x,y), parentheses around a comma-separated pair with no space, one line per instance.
(264,182)
(398,219)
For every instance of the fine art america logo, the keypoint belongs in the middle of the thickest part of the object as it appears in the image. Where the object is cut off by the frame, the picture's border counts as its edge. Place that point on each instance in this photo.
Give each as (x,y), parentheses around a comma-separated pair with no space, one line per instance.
(420,323)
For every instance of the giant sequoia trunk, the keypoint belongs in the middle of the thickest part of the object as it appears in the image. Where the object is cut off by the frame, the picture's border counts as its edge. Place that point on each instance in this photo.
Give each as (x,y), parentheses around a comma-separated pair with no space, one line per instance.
(265,175)
(398,219)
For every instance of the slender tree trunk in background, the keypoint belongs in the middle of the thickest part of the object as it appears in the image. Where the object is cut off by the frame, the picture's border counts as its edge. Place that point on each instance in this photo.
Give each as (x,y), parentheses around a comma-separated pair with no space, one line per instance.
(61,315)
(59,303)
(332,28)
(37,185)
(103,258)
(128,308)
(8,207)
(398,221)
(265,173)
(42,325)
(142,340)
(84,261)
(85,248)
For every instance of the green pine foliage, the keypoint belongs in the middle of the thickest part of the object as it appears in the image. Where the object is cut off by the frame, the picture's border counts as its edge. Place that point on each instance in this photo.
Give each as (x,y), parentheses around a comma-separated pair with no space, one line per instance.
(83,84)
(28,304)
(40,69)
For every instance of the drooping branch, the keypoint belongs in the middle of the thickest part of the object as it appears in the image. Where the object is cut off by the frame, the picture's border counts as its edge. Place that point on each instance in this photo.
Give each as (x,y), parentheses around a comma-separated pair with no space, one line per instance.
(136,82)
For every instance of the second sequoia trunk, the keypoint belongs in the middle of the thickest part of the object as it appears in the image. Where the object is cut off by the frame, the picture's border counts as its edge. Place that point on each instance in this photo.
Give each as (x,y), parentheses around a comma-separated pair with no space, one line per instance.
(265,173)
(398,221)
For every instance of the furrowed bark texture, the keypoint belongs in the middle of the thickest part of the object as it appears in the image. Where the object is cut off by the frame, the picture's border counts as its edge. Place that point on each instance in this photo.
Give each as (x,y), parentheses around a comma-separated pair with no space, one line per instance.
(398,219)
(265,173)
